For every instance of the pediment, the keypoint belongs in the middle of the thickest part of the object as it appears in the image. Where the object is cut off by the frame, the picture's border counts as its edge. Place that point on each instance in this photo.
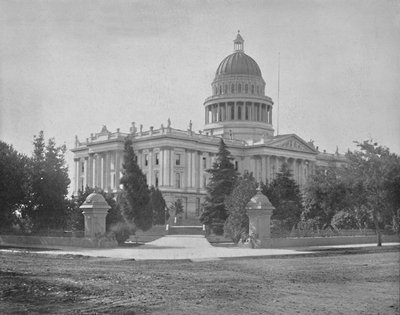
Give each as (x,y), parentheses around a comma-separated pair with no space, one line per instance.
(292,142)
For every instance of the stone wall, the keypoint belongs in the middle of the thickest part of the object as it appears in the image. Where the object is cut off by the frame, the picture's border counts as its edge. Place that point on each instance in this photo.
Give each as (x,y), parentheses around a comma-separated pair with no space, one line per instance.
(329,241)
(48,241)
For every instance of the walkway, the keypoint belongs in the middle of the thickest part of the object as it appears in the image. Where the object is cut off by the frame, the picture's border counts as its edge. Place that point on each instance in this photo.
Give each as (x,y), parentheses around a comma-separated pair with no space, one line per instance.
(192,247)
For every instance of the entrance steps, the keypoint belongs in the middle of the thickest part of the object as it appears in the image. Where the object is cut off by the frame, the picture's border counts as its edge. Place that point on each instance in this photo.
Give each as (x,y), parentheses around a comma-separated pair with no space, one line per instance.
(185,230)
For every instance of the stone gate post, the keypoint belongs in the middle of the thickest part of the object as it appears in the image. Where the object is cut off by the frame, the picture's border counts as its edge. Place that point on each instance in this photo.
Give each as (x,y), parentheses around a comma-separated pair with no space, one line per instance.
(95,209)
(259,209)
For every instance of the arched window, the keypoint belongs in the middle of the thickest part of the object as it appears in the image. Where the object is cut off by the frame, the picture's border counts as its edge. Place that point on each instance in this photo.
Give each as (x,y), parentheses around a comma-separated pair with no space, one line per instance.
(252,89)
(232,88)
(239,88)
(246,88)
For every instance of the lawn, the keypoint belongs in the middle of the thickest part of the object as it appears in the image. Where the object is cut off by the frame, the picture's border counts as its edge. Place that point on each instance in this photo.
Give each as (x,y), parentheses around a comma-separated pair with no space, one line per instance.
(336,282)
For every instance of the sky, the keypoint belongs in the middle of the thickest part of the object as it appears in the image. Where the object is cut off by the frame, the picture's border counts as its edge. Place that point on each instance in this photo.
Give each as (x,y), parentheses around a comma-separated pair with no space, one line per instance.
(69,67)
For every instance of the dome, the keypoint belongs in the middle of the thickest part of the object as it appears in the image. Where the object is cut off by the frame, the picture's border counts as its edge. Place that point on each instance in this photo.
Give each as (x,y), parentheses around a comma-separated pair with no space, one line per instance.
(238,63)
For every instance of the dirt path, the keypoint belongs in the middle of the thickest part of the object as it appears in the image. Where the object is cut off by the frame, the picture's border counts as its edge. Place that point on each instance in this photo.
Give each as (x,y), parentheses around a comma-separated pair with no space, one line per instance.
(338,283)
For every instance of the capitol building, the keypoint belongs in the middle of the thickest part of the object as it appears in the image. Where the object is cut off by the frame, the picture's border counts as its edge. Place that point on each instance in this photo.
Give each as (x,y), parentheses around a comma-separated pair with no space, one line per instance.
(176,161)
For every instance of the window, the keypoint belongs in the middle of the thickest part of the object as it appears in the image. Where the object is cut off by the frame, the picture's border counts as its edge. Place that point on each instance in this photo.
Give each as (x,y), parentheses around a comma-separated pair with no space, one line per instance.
(220,89)
(157,157)
(247,113)
(239,110)
(258,89)
(232,112)
(236,165)
(146,159)
(225,89)
(239,88)
(177,180)
(232,88)
(83,167)
(204,163)
(204,181)
(156,179)
(252,89)
(177,159)
(246,88)
(197,206)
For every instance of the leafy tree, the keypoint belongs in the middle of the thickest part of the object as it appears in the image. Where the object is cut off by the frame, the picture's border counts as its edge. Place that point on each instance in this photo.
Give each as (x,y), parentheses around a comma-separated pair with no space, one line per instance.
(177,207)
(237,223)
(49,184)
(222,180)
(285,196)
(158,206)
(324,196)
(373,172)
(13,184)
(135,199)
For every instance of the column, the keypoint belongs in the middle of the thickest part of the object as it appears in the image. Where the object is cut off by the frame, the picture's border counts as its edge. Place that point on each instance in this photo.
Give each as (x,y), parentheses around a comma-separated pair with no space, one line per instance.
(235,106)
(117,169)
(197,169)
(76,175)
(268,168)
(90,171)
(94,170)
(218,112)
(167,166)
(270,115)
(161,167)
(264,169)
(150,167)
(171,168)
(188,169)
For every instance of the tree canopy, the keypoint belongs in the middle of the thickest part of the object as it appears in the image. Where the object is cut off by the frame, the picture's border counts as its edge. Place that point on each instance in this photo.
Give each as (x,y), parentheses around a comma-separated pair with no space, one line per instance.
(237,223)
(373,175)
(14,183)
(285,196)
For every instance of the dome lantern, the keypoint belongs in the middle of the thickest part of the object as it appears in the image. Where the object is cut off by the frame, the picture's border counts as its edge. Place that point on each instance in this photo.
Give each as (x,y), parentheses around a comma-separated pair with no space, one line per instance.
(238,43)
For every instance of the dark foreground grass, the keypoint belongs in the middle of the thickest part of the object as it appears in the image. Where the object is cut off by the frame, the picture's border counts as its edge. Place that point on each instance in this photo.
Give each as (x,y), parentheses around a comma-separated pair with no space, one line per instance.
(355,281)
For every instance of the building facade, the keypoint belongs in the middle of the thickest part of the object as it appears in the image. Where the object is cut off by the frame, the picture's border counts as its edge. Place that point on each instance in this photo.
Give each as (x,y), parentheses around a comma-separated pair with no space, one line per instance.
(176,160)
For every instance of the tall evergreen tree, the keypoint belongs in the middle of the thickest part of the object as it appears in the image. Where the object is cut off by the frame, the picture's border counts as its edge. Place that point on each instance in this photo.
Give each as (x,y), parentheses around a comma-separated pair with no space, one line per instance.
(222,180)
(49,184)
(14,184)
(135,200)
(285,196)
(158,206)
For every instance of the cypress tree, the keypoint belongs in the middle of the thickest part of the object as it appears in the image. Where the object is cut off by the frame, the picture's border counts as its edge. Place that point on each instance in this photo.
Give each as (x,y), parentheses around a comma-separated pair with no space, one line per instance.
(135,199)
(222,180)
